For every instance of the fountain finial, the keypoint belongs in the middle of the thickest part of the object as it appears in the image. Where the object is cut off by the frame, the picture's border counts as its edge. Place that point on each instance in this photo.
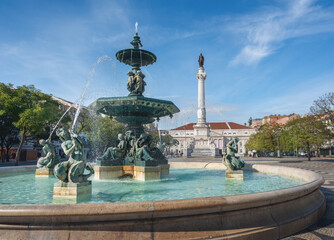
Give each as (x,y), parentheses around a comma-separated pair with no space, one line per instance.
(136,43)
(136,27)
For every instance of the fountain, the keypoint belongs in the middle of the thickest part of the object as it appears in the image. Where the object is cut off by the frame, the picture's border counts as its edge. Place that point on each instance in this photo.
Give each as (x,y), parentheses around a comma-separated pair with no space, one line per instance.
(194,202)
(135,155)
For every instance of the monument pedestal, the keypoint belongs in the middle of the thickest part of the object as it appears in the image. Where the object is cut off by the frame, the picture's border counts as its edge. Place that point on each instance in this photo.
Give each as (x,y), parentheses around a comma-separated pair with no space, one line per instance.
(146,173)
(44,172)
(72,192)
(234,174)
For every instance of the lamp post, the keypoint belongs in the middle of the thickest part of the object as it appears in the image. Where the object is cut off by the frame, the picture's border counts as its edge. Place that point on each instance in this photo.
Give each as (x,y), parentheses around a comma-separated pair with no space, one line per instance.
(278,135)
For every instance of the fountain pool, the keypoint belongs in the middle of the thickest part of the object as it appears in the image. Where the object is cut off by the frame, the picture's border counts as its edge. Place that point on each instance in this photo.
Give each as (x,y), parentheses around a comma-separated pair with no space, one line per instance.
(25,188)
(262,215)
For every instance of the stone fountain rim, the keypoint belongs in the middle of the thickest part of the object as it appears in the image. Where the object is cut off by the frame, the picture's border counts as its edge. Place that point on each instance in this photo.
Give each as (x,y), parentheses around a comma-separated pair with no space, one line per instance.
(172,208)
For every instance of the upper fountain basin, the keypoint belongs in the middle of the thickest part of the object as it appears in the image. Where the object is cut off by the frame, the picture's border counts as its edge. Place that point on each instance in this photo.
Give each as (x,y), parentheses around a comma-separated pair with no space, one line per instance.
(136,57)
(134,109)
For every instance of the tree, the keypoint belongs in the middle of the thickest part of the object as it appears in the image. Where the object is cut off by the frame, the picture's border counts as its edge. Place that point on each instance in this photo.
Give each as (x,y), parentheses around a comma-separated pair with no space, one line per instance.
(6,130)
(307,133)
(10,140)
(166,139)
(6,114)
(324,106)
(102,133)
(82,121)
(267,138)
(29,109)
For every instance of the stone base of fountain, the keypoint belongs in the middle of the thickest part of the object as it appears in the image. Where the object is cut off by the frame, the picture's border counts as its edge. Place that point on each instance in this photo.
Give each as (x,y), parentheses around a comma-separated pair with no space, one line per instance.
(234,174)
(108,172)
(72,192)
(141,173)
(146,173)
(44,172)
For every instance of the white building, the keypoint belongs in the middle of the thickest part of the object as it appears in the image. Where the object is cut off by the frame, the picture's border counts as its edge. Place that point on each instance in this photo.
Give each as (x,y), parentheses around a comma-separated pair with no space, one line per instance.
(219,135)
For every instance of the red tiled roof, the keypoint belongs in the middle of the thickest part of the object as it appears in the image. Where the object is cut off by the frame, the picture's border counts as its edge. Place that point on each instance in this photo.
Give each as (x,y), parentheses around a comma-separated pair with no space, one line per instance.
(214,125)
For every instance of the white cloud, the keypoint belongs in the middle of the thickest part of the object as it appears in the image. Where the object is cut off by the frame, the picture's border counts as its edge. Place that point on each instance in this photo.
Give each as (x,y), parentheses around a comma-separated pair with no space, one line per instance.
(265,31)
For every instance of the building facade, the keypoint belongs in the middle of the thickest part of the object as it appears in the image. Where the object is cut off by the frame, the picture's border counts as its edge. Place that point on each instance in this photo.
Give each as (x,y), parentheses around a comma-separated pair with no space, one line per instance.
(220,133)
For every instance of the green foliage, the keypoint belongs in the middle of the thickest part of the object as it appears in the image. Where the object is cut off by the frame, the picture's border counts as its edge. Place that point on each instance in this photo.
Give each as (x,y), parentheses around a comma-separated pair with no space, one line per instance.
(165,139)
(82,121)
(29,109)
(307,133)
(267,139)
(102,133)
(36,110)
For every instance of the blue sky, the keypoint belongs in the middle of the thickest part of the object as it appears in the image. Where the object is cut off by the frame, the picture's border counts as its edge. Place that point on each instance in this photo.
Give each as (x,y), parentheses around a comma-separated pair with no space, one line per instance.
(261,57)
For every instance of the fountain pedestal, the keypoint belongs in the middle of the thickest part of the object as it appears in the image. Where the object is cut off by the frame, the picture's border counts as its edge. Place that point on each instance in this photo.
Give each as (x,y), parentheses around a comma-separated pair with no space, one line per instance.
(44,172)
(72,192)
(108,172)
(141,173)
(234,174)
(146,173)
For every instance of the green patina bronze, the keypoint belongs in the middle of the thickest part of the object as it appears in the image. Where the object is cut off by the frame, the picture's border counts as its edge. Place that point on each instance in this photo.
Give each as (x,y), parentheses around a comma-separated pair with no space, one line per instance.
(133,151)
(231,161)
(134,110)
(72,170)
(50,159)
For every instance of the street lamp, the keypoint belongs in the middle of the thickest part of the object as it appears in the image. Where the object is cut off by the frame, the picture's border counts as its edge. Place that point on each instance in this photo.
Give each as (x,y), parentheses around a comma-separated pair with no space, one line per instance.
(278,135)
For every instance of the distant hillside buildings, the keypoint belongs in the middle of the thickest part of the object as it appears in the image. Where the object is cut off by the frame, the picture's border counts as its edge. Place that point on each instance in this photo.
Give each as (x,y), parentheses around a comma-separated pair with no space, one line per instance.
(279,119)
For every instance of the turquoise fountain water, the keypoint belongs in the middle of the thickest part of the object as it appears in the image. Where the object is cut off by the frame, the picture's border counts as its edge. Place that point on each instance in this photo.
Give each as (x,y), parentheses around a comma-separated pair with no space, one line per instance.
(24,188)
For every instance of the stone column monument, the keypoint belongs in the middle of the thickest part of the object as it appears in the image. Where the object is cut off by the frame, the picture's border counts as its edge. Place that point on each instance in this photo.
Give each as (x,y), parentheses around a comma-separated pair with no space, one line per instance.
(202,129)
(202,145)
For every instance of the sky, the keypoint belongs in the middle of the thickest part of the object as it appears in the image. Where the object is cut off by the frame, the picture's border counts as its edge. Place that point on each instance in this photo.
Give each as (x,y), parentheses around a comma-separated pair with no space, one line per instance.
(261,57)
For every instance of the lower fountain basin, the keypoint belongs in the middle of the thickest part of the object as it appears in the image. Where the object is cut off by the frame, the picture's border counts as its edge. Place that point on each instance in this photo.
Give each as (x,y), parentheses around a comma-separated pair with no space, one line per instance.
(263,215)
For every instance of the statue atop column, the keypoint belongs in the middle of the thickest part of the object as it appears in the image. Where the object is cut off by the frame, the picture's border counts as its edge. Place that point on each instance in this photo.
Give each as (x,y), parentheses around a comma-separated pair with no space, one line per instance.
(201,61)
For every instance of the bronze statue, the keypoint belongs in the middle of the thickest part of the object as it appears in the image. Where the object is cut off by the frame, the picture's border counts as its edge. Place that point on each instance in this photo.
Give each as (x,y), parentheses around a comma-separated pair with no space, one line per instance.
(73,169)
(114,153)
(231,161)
(201,60)
(50,159)
(140,83)
(136,83)
(130,143)
(130,84)
(145,151)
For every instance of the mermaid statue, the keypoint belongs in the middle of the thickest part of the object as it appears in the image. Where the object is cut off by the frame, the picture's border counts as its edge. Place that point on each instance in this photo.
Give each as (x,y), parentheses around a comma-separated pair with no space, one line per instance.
(50,159)
(72,170)
(231,161)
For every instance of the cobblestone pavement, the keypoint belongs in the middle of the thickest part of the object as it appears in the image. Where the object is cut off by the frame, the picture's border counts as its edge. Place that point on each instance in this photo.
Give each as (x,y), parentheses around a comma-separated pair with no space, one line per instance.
(322,230)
